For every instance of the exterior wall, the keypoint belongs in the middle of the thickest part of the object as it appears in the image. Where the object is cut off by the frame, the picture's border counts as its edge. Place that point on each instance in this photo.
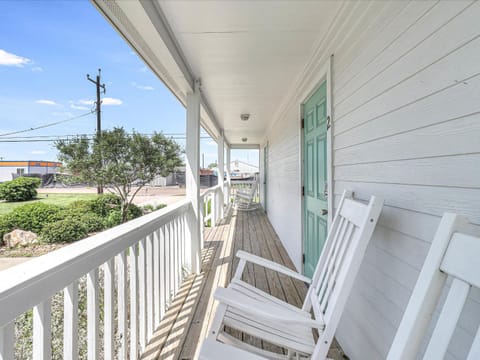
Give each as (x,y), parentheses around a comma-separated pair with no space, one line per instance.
(406,126)
(7,171)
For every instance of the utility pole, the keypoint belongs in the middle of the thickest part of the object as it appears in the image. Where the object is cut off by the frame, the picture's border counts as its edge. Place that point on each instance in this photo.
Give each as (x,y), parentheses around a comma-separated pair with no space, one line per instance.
(98,104)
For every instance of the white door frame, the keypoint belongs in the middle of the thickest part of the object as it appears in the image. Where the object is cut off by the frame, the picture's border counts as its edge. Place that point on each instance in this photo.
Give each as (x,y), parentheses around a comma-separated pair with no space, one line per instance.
(325,74)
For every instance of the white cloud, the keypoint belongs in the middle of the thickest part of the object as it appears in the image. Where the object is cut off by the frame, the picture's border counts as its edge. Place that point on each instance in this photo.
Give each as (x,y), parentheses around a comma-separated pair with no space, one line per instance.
(38,152)
(111,101)
(47,102)
(142,87)
(211,143)
(9,59)
(143,69)
(105,101)
(37,69)
(85,102)
(78,107)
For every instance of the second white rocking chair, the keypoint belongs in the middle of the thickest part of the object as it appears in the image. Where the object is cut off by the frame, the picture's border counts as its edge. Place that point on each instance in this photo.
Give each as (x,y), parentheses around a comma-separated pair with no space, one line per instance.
(244,198)
(252,311)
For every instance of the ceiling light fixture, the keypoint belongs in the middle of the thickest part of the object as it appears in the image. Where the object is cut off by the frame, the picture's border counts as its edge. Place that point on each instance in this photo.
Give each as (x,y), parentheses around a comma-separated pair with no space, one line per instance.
(244,117)
(244,139)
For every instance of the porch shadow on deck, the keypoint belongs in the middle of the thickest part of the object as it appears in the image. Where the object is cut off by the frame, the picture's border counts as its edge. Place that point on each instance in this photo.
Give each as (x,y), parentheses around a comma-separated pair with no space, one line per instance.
(188,318)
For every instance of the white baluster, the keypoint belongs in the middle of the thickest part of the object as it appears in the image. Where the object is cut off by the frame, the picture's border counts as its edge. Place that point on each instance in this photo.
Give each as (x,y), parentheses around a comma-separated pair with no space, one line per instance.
(175,254)
(70,321)
(142,309)
(179,252)
(149,281)
(122,304)
(162,272)
(168,266)
(42,333)
(156,278)
(7,341)
(109,273)
(133,302)
(93,318)
(213,209)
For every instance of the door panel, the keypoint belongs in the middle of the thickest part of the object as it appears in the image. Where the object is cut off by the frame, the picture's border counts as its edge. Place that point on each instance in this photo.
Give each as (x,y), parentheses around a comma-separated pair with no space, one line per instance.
(315,177)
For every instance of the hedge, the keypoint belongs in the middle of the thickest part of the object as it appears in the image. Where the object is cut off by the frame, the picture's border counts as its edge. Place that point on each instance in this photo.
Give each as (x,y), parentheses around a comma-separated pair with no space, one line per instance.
(19,189)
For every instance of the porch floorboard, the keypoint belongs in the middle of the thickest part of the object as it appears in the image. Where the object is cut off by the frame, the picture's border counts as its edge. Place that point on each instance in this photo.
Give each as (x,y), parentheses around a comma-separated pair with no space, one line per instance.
(189,316)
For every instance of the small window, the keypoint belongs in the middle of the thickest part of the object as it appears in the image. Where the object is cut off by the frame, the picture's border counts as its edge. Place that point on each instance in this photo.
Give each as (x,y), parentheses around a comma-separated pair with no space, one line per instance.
(20,171)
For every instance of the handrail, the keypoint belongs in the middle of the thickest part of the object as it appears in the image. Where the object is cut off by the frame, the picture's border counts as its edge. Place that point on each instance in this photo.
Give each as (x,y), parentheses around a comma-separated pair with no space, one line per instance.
(210,190)
(28,284)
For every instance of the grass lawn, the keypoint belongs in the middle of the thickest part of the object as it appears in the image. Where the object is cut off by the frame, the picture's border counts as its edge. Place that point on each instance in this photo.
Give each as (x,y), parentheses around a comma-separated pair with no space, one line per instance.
(56,199)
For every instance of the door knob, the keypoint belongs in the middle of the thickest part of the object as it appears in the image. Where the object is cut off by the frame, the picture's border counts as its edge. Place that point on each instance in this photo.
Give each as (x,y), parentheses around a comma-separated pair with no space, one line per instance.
(324,211)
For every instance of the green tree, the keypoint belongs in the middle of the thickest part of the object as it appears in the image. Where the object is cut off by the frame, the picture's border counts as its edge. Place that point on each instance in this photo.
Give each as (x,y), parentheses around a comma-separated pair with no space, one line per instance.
(121,161)
(212,165)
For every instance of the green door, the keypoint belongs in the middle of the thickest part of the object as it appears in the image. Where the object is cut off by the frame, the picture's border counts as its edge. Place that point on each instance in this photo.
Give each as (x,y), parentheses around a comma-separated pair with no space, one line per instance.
(265,169)
(315,177)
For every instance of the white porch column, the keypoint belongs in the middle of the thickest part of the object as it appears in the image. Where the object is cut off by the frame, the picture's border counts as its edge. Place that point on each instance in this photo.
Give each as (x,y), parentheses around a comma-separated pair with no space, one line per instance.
(192,175)
(221,170)
(229,189)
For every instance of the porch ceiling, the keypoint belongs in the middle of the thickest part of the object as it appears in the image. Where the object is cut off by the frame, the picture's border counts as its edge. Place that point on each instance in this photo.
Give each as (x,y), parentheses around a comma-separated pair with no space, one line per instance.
(248,54)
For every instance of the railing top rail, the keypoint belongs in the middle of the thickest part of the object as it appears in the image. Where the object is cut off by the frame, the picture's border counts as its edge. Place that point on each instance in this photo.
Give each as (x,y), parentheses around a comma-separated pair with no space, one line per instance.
(27,284)
(210,190)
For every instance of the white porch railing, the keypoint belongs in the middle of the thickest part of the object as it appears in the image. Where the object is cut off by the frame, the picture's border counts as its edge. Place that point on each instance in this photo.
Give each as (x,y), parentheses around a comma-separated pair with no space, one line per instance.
(142,263)
(211,207)
(245,184)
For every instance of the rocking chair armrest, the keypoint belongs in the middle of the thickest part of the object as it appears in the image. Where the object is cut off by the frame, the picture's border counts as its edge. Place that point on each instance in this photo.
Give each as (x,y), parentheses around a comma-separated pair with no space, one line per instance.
(272,266)
(264,311)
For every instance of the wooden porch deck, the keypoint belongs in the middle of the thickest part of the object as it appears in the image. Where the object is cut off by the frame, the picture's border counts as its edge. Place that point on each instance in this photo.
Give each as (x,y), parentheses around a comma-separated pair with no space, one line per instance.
(188,318)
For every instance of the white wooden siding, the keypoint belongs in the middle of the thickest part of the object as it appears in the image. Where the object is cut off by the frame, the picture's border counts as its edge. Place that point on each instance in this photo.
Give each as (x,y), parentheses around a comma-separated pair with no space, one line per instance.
(284,186)
(406,79)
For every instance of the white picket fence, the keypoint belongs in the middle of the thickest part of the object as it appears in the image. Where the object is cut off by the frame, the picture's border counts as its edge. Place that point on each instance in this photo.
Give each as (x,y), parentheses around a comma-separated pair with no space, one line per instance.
(143,264)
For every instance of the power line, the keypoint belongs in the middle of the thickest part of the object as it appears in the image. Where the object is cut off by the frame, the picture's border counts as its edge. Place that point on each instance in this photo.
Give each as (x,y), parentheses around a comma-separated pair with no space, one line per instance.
(66,138)
(47,125)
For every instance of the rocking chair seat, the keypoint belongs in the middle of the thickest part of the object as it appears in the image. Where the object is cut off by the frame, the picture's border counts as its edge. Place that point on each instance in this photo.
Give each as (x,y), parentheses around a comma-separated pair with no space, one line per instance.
(291,332)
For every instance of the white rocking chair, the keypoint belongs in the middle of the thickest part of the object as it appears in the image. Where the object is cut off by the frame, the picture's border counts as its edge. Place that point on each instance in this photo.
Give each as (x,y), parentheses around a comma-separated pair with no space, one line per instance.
(250,310)
(244,197)
(454,254)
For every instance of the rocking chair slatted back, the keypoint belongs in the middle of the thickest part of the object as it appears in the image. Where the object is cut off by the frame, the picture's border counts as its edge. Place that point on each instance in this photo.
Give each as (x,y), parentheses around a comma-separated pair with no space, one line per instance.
(452,254)
(339,263)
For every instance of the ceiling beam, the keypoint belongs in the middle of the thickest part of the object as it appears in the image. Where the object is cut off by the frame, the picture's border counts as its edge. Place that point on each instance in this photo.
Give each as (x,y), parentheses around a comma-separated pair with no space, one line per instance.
(245,146)
(159,21)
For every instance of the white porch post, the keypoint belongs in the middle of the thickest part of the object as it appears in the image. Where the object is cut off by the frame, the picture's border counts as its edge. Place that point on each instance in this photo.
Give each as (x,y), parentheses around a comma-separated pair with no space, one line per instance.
(229,188)
(221,170)
(192,175)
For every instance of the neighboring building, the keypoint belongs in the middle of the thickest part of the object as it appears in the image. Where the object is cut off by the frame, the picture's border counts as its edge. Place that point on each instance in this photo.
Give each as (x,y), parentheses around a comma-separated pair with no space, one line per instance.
(177,177)
(12,169)
(240,169)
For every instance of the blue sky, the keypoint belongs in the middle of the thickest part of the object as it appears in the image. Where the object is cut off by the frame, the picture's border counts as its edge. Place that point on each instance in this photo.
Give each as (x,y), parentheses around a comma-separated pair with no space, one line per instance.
(46,50)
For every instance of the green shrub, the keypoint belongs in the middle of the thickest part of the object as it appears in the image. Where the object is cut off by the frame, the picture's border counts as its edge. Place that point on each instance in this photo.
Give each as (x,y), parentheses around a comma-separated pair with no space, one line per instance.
(80,205)
(148,208)
(6,226)
(113,219)
(66,230)
(34,216)
(92,221)
(134,212)
(77,209)
(160,206)
(106,203)
(19,189)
